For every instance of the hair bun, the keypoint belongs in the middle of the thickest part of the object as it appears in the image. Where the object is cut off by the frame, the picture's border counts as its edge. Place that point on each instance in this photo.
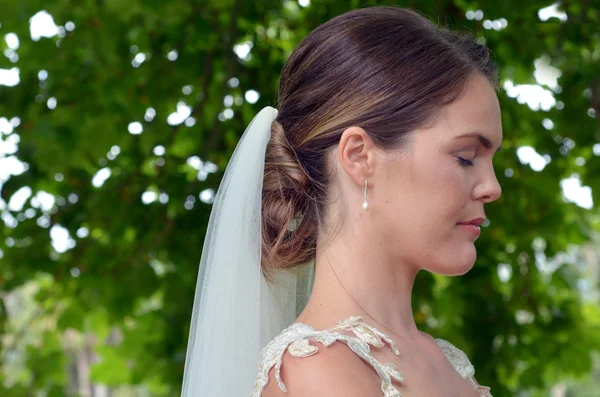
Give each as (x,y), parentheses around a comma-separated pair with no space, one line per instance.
(282,159)
(286,243)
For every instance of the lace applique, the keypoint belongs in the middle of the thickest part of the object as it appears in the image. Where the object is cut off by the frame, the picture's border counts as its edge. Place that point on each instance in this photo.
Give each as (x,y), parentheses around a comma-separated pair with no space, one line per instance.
(297,337)
(461,362)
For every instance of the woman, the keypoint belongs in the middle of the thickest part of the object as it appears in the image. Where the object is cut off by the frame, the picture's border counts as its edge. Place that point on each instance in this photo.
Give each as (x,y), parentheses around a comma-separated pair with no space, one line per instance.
(376,165)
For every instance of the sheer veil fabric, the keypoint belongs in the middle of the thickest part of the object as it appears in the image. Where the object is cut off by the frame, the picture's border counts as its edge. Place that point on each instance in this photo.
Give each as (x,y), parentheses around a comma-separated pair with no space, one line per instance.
(236,312)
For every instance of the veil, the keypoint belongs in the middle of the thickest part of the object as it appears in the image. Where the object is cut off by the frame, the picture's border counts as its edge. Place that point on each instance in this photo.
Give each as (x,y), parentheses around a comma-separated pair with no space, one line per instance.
(236,312)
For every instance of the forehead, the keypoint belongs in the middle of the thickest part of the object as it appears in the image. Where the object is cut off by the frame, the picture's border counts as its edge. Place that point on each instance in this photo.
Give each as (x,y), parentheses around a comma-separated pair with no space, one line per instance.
(476,110)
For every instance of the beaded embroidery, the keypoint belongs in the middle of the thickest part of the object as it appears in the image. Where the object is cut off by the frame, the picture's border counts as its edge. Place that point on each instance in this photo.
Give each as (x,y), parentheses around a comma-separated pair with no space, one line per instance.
(295,339)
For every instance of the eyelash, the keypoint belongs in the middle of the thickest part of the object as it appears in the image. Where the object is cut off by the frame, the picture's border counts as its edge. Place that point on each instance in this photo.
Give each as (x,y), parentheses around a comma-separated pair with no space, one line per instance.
(465,162)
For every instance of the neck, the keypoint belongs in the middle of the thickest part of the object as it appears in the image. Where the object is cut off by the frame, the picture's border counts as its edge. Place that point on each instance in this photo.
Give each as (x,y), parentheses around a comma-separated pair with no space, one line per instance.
(358,279)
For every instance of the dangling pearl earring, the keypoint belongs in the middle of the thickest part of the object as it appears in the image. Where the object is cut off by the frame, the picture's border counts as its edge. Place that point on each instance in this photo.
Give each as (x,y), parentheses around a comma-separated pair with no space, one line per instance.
(365,205)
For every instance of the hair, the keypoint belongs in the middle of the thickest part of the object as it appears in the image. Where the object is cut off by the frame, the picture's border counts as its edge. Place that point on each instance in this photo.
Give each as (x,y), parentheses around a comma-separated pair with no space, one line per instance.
(388,70)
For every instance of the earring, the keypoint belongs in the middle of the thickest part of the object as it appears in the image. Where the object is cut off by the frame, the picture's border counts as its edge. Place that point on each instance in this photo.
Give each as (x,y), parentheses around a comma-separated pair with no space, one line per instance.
(365,205)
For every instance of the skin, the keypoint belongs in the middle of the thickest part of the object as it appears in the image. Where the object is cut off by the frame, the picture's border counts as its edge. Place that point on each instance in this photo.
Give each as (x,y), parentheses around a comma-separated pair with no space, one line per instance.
(417,196)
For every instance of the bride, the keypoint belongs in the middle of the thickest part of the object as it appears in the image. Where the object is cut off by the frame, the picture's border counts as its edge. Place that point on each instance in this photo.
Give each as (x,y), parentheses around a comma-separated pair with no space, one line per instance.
(377,164)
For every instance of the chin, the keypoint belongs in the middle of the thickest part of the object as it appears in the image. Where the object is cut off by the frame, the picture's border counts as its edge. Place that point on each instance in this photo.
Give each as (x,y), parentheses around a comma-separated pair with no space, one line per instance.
(464,268)
(466,262)
(463,262)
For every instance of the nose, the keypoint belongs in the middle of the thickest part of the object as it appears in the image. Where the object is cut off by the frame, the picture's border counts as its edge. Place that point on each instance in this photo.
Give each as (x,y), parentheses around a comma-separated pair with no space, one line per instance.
(489,188)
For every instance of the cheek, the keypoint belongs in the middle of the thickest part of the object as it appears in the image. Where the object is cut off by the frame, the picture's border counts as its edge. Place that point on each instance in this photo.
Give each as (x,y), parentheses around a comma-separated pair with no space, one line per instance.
(442,189)
(413,204)
(423,196)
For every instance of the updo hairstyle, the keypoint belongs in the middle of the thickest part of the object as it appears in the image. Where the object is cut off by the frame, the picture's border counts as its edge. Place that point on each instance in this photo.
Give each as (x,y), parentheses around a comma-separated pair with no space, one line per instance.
(388,70)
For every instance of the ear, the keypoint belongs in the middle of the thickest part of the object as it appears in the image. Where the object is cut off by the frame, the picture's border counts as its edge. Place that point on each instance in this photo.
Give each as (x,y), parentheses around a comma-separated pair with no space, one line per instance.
(356,154)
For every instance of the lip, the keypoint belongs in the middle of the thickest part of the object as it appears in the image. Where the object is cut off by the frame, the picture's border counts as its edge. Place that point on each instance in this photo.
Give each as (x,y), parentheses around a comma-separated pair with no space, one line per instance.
(475,222)
(471,228)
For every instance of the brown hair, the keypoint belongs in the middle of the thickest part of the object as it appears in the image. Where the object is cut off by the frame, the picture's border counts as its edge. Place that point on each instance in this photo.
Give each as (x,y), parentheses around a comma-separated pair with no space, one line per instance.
(388,70)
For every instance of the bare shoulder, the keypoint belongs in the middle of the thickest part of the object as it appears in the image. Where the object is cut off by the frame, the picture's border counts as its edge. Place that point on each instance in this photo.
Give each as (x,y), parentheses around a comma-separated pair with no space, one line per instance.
(334,371)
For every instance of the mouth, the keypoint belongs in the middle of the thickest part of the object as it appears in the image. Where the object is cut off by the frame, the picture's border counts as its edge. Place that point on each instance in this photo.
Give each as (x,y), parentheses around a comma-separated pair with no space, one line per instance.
(472,226)
(475,222)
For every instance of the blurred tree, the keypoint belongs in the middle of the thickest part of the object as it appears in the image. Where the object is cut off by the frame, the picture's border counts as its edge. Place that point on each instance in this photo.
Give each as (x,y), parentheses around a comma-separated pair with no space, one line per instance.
(116,135)
(589,388)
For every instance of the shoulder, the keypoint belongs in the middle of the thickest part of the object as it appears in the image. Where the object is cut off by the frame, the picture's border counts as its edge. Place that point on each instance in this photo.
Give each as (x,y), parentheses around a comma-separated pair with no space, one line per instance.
(333,371)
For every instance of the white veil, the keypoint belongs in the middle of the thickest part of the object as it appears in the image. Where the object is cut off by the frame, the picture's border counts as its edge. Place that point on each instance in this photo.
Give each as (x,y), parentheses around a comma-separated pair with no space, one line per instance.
(236,313)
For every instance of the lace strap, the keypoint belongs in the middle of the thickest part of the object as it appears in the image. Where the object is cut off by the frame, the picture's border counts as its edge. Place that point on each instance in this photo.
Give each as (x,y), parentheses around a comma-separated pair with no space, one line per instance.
(461,363)
(296,341)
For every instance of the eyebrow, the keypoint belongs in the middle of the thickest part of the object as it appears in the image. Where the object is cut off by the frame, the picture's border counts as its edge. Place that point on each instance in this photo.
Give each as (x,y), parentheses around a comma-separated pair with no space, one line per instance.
(484,141)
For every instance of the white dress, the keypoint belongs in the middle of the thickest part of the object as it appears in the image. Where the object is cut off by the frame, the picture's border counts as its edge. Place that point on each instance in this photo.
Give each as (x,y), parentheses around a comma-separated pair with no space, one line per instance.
(295,339)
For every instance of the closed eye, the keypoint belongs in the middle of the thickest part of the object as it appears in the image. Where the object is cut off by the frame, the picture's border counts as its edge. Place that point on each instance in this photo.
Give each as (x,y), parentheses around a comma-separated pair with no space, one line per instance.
(465,162)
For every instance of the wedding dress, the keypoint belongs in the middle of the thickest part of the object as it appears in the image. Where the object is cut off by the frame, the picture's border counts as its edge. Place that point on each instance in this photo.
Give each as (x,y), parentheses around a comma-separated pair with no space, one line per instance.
(297,338)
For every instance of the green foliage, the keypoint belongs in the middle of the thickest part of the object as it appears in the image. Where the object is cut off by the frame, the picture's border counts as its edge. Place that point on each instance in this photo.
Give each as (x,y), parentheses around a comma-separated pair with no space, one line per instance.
(136,269)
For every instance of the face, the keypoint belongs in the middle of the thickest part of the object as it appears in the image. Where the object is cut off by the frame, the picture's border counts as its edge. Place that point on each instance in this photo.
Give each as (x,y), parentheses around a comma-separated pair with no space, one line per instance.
(441,180)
